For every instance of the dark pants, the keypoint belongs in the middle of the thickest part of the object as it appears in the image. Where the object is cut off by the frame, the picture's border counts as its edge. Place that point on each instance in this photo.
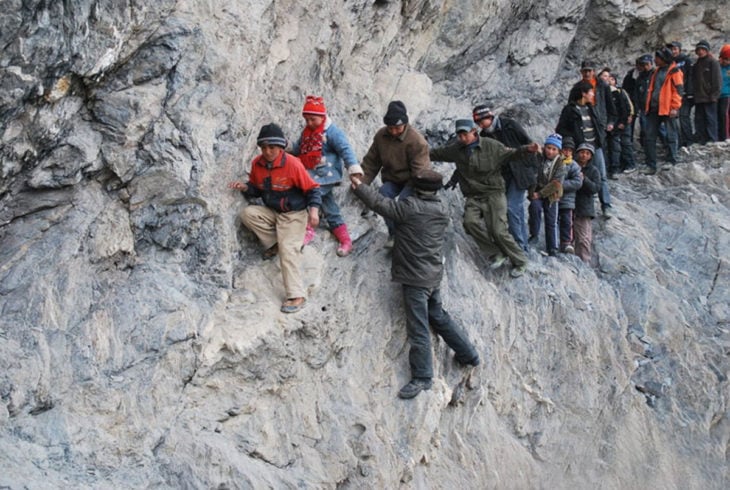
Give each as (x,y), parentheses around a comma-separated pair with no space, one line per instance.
(538,207)
(613,140)
(706,122)
(671,124)
(565,222)
(627,148)
(685,122)
(423,307)
(723,119)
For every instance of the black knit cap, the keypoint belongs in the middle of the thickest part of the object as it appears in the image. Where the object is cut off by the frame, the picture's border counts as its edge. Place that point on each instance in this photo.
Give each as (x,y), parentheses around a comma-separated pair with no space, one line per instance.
(568,142)
(427,180)
(271,134)
(396,114)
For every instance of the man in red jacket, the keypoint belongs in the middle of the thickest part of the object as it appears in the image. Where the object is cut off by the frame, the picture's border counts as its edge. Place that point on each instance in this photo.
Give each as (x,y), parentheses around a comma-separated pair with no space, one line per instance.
(291,201)
(663,101)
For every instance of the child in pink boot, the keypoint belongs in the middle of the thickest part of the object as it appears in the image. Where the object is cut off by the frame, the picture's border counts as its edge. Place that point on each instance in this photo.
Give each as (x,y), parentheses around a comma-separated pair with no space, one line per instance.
(323,148)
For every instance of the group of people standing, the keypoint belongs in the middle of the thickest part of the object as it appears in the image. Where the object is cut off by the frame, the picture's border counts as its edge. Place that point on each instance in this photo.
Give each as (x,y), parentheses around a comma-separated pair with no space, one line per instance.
(499,169)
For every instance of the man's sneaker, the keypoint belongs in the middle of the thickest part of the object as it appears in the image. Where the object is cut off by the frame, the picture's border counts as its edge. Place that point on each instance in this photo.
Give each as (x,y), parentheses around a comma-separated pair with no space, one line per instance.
(630,170)
(389,243)
(414,387)
(607,212)
(667,166)
(648,171)
(569,249)
(518,271)
(497,262)
(613,176)
(474,361)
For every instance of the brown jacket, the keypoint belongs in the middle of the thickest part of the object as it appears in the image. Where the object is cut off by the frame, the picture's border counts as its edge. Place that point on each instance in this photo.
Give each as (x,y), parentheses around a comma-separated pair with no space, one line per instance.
(398,158)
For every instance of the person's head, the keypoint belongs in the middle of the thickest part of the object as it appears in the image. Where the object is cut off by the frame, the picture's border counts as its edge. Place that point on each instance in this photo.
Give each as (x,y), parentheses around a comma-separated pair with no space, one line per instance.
(396,118)
(568,147)
(581,92)
(553,145)
(271,140)
(466,131)
(644,62)
(428,181)
(725,55)
(314,111)
(604,74)
(702,49)
(483,116)
(675,47)
(612,80)
(584,153)
(587,70)
(662,57)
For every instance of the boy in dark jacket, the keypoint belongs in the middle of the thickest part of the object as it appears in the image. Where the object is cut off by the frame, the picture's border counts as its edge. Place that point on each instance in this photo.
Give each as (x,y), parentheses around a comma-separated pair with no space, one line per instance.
(571,183)
(585,199)
(420,224)
(544,195)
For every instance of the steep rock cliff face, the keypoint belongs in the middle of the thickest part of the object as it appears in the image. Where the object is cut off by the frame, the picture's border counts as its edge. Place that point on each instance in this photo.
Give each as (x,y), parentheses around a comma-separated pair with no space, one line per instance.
(140,338)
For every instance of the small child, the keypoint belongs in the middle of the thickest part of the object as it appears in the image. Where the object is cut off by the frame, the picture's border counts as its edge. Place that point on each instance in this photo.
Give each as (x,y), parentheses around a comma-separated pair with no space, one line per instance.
(571,183)
(585,198)
(323,148)
(544,195)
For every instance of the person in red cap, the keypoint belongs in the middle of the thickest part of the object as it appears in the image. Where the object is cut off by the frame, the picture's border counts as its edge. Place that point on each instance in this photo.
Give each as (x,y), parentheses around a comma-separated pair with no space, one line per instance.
(323,148)
(723,106)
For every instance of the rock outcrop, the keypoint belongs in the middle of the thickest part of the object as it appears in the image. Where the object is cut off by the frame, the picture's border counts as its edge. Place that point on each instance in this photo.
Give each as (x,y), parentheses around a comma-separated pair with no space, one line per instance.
(141,343)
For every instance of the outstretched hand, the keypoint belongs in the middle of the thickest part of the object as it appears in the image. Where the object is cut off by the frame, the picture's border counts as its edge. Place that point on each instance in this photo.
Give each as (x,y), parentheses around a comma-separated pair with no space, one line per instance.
(238,186)
(533,147)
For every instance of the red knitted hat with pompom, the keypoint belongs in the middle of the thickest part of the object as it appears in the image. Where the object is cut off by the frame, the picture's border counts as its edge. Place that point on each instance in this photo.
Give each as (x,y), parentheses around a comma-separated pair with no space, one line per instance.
(725,52)
(315,106)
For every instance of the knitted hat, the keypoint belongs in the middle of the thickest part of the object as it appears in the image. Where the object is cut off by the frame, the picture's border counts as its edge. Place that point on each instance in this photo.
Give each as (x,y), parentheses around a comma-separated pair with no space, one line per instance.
(664,54)
(725,52)
(702,45)
(271,134)
(568,143)
(481,112)
(556,140)
(586,146)
(674,44)
(464,125)
(396,114)
(314,105)
(427,180)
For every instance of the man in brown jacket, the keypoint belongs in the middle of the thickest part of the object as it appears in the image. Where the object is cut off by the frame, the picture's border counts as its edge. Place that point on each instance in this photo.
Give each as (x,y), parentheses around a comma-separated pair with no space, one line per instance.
(398,152)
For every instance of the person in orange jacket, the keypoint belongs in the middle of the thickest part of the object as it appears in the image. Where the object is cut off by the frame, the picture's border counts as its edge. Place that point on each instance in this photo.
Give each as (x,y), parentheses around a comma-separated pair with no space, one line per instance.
(663,101)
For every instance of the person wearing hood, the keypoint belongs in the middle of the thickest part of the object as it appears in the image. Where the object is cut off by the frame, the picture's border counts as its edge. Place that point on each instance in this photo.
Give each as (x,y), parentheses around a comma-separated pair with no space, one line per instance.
(397,153)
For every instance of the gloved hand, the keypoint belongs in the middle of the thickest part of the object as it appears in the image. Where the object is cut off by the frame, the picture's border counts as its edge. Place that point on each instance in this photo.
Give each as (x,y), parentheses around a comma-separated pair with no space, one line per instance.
(453,181)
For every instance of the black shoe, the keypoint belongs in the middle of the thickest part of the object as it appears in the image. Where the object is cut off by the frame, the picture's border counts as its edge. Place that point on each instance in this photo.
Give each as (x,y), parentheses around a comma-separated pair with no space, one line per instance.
(474,361)
(414,387)
(553,252)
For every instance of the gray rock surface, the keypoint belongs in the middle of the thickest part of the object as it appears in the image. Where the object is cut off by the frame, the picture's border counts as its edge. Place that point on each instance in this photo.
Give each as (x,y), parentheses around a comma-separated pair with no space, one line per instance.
(141,343)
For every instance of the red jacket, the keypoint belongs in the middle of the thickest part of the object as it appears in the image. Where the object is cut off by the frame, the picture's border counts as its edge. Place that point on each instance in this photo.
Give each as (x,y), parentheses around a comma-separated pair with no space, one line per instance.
(284,185)
(670,98)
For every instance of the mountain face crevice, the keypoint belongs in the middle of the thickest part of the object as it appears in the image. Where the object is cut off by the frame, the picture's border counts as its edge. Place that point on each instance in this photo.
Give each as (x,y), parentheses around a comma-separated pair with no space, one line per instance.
(141,343)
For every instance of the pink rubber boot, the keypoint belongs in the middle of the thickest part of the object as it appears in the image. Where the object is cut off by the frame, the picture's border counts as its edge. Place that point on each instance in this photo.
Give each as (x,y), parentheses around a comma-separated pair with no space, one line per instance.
(344,238)
(308,236)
